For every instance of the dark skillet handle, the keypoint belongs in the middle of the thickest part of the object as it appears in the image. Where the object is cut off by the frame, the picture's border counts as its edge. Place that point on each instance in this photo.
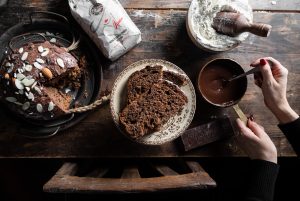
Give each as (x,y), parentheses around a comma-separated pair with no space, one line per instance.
(23,36)
(56,15)
(38,132)
(59,16)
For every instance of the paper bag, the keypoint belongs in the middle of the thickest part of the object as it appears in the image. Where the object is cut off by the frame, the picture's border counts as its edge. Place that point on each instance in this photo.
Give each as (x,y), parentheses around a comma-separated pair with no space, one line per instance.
(108,25)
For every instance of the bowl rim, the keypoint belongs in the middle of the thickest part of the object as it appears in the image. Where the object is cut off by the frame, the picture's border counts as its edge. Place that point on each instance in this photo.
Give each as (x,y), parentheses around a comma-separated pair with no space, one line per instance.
(193,36)
(215,104)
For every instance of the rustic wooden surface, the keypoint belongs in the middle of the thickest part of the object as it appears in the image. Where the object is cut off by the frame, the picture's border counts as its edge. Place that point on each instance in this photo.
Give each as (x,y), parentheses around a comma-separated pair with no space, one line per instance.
(66,180)
(162,24)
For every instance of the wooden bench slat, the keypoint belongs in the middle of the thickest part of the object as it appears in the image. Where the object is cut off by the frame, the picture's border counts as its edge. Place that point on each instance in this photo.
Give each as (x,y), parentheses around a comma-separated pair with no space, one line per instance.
(69,184)
(131,172)
(129,182)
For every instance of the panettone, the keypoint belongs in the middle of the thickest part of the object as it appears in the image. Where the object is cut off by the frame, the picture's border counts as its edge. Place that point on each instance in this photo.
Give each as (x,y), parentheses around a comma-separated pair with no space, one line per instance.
(34,79)
(153,100)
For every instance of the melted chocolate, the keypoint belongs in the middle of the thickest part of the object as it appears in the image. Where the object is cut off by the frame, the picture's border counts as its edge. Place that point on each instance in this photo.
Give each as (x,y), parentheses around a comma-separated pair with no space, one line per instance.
(215,89)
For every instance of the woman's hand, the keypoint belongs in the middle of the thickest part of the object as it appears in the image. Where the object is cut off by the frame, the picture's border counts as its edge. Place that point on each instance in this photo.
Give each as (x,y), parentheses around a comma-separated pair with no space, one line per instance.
(272,79)
(255,142)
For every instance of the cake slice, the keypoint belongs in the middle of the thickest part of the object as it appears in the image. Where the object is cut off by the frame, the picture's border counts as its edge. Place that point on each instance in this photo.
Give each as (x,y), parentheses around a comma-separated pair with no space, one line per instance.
(153,109)
(141,81)
(60,100)
(174,77)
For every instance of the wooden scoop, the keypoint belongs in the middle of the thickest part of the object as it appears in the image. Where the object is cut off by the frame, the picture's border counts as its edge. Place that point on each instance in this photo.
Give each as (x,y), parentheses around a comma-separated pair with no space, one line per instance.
(232,24)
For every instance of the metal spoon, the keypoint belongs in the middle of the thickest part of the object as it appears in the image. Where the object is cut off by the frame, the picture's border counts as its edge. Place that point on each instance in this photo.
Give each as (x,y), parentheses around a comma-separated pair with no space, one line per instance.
(253,70)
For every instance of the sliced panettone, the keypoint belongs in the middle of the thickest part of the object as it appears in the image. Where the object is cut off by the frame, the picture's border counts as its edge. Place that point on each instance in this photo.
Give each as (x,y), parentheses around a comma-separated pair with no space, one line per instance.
(141,81)
(174,77)
(153,109)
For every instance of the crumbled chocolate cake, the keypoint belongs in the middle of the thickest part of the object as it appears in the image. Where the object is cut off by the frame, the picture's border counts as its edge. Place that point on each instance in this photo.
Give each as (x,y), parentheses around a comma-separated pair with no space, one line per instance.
(31,78)
(152,108)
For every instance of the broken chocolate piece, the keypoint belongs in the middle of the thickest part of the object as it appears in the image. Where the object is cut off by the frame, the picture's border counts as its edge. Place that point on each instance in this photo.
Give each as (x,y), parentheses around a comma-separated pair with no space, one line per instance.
(207,133)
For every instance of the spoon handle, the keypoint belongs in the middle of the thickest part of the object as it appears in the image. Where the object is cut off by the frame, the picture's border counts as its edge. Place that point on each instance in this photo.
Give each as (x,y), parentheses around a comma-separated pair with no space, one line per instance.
(253,70)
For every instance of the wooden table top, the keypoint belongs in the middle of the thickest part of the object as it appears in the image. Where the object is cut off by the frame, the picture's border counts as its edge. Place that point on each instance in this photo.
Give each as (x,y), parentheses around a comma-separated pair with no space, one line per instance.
(164,36)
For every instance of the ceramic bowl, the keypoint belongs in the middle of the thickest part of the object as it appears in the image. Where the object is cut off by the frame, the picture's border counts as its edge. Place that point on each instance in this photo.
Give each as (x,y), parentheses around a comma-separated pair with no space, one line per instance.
(199,26)
(212,83)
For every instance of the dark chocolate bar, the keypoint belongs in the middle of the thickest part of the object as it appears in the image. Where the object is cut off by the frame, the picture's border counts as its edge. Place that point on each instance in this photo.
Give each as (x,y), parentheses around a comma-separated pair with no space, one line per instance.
(207,133)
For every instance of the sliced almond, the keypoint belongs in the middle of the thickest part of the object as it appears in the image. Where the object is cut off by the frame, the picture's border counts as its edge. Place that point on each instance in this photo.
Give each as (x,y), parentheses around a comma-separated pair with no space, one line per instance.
(11,99)
(39,107)
(18,84)
(53,40)
(8,64)
(30,96)
(24,56)
(28,82)
(18,103)
(45,53)
(33,85)
(60,62)
(10,69)
(20,76)
(41,61)
(37,65)
(26,106)
(51,106)
(38,90)
(47,73)
(28,68)
(40,49)
(21,50)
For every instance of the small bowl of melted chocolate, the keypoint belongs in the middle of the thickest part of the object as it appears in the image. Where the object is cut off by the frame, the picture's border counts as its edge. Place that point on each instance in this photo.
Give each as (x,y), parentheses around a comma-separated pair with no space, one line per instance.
(213,84)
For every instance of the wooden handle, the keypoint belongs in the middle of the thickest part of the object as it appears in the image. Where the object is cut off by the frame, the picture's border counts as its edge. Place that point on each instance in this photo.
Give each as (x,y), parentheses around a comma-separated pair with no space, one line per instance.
(260,29)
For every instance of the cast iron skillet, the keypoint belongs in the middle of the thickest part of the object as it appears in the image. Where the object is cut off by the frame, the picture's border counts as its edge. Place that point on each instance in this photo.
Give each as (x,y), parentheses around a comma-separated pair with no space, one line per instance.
(37,30)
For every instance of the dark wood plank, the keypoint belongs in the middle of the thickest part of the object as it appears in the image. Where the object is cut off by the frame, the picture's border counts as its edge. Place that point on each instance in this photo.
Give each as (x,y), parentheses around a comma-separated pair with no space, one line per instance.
(164,37)
(67,169)
(60,5)
(257,5)
(278,5)
(165,170)
(99,172)
(130,182)
(131,172)
(71,184)
(194,166)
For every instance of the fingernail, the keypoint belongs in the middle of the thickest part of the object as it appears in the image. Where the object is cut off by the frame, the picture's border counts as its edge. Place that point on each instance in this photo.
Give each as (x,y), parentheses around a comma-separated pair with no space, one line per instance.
(263,62)
(251,117)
